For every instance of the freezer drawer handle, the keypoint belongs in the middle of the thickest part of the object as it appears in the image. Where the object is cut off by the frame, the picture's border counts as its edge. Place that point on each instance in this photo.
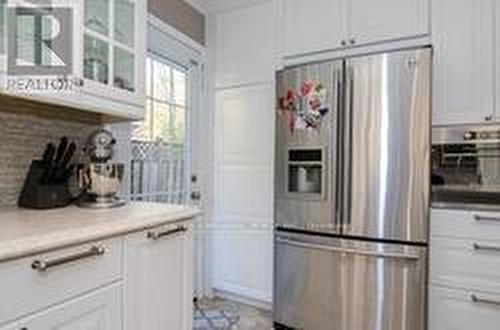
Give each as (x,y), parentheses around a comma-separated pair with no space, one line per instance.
(44,265)
(411,257)
(481,218)
(480,247)
(479,300)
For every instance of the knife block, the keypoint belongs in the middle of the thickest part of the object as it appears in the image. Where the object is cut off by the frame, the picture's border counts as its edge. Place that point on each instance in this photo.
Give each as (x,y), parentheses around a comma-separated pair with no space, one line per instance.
(36,195)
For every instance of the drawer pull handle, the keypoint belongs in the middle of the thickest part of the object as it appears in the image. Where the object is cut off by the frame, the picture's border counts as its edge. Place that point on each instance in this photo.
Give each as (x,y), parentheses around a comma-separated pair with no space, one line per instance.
(481,218)
(479,247)
(44,265)
(154,235)
(479,300)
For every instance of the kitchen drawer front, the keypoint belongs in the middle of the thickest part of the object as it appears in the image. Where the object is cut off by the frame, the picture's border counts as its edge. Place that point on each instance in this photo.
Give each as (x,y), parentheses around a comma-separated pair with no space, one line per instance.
(469,263)
(451,309)
(465,224)
(98,310)
(69,272)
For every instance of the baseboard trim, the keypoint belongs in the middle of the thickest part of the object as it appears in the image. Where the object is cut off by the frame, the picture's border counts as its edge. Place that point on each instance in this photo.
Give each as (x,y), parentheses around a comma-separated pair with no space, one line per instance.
(265,305)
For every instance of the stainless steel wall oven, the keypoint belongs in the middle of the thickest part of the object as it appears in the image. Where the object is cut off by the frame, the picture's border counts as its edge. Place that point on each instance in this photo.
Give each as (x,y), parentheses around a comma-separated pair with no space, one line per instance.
(466,166)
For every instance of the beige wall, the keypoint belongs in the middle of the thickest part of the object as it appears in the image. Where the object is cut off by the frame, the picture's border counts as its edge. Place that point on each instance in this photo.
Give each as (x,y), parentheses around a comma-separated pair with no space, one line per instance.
(180,15)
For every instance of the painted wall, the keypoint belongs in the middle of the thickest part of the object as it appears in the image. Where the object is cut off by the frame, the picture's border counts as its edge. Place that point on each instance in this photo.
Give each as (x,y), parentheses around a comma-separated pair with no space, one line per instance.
(180,15)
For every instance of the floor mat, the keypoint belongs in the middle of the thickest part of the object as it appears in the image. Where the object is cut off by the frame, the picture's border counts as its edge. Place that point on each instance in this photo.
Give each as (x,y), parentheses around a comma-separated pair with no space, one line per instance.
(221,314)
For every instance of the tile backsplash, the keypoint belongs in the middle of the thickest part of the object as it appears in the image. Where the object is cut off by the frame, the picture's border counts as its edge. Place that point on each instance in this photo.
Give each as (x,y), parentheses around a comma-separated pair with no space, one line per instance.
(23,136)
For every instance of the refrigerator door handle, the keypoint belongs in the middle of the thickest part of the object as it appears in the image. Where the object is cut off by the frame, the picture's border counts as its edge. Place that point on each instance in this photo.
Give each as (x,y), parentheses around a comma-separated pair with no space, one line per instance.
(338,151)
(347,145)
(403,256)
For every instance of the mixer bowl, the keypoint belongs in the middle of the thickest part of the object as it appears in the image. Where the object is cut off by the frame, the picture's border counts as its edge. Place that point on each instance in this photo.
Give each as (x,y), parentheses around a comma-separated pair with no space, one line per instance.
(101,179)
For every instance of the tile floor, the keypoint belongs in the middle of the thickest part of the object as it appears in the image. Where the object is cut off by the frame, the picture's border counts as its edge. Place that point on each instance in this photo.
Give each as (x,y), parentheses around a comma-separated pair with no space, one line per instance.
(221,314)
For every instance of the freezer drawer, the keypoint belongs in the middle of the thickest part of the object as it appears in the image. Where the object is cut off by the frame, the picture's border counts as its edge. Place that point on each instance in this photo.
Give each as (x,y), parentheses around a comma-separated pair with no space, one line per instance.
(325,283)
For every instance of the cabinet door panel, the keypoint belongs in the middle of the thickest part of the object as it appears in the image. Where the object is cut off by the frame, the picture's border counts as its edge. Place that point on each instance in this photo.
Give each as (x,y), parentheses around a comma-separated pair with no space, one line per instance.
(313,25)
(373,21)
(245,45)
(451,309)
(99,310)
(463,41)
(158,289)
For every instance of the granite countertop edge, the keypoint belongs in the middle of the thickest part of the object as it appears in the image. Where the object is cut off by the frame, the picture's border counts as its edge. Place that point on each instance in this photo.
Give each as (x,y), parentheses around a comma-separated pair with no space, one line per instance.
(21,247)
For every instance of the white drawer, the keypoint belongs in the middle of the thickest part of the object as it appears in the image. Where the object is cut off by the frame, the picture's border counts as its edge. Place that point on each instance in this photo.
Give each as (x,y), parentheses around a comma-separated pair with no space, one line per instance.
(25,290)
(465,224)
(465,263)
(98,310)
(451,309)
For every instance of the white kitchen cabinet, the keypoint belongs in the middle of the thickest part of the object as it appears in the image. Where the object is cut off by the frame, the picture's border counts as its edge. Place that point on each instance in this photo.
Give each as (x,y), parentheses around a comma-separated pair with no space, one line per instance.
(245,45)
(113,40)
(98,310)
(376,21)
(464,265)
(29,290)
(460,309)
(158,279)
(321,25)
(108,55)
(464,61)
(313,25)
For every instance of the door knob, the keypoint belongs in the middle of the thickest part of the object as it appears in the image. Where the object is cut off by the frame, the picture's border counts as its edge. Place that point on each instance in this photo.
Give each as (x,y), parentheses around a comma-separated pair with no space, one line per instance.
(195,195)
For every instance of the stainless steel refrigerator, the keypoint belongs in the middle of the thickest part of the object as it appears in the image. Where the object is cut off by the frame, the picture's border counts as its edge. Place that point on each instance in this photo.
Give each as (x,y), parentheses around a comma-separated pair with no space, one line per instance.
(352,186)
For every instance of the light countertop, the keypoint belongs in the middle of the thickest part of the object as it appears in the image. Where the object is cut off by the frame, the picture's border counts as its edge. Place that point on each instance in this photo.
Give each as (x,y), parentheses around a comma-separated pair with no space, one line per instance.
(27,232)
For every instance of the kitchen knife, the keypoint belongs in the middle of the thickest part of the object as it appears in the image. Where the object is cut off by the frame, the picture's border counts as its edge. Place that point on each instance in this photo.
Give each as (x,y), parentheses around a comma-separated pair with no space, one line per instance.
(68,155)
(48,158)
(48,154)
(62,168)
(55,168)
(63,144)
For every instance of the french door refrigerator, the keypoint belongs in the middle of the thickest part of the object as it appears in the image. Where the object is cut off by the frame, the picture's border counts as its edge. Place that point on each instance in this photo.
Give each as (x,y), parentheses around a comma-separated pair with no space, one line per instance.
(352,186)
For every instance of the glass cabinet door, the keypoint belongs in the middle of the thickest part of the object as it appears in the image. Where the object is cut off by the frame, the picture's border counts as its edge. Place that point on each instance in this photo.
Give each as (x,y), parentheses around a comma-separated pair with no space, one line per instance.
(124,22)
(123,69)
(97,16)
(109,38)
(96,59)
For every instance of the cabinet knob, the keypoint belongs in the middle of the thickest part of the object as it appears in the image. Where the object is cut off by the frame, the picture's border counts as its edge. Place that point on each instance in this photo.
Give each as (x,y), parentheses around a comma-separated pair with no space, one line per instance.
(488,118)
(343,43)
(352,40)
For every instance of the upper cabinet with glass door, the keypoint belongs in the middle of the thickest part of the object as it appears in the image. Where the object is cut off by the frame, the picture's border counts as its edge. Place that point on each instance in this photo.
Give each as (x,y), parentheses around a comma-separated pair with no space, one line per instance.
(107,51)
(114,49)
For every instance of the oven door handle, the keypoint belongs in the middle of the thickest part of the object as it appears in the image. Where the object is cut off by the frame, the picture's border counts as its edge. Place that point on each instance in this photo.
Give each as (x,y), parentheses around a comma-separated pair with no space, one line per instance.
(403,256)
